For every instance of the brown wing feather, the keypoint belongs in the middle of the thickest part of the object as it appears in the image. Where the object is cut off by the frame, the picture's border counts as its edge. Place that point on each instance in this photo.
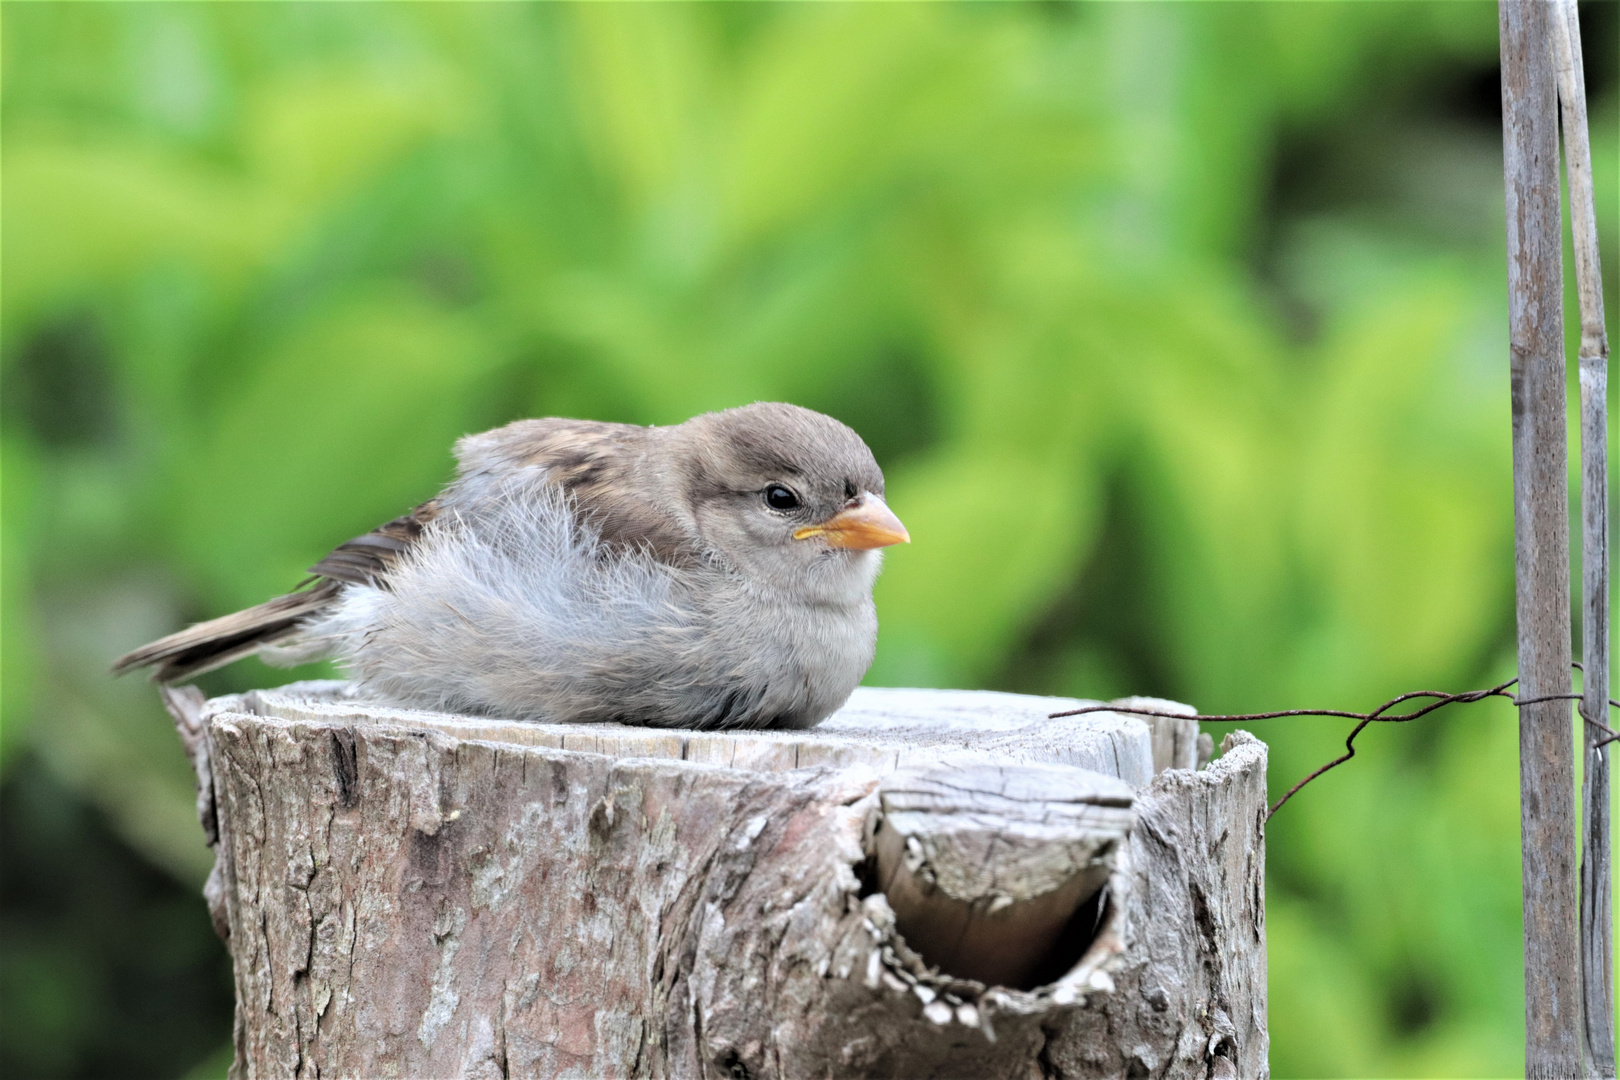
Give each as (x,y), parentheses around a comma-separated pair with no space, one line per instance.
(607,469)
(366,560)
(213,644)
(217,642)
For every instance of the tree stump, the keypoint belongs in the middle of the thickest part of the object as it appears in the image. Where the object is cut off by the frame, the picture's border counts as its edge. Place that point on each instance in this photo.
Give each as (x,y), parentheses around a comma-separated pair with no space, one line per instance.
(939,883)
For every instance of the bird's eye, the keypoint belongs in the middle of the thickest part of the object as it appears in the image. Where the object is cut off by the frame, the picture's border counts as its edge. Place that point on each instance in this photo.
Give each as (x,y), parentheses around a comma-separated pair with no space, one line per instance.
(778,497)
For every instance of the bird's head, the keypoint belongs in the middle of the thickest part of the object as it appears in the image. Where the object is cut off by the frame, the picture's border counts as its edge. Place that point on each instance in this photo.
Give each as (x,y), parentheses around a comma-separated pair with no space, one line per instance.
(790,497)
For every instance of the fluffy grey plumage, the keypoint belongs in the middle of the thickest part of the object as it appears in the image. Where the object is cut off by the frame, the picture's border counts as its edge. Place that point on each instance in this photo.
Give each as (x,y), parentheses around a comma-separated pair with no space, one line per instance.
(713,574)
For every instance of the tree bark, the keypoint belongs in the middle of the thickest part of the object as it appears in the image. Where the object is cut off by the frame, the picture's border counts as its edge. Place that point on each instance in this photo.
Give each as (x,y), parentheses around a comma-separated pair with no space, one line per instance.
(409,894)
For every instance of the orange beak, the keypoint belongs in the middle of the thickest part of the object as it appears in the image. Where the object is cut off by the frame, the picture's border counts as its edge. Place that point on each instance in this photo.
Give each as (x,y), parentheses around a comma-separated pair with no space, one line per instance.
(864,523)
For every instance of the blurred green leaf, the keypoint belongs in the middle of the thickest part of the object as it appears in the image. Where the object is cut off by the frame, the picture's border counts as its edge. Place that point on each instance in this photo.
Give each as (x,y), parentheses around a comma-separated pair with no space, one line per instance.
(1177,329)
(79,213)
(1402,501)
(345,423)
(18,621)
(1001,533)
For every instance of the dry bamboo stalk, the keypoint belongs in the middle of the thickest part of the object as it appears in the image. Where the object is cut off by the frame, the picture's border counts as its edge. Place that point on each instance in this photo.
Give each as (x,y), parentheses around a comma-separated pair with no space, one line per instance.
(1597,909)
(1552,1004)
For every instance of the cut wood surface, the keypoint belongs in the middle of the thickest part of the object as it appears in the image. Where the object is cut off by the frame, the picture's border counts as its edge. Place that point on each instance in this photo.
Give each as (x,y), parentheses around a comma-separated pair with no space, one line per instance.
(986,865)
(411,894)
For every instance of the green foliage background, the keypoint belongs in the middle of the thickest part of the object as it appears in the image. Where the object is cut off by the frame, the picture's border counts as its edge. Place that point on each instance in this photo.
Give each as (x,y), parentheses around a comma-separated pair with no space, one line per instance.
(1179,330)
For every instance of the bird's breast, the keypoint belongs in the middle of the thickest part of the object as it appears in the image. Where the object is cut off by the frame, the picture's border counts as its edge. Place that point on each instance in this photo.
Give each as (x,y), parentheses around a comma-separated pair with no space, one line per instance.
(802,659)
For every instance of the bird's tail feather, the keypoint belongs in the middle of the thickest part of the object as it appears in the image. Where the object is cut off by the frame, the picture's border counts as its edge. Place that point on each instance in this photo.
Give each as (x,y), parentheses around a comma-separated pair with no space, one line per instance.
(215,643)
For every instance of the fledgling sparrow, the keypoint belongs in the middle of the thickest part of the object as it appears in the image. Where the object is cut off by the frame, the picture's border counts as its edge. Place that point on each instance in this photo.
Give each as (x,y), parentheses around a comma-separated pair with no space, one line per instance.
(711,574)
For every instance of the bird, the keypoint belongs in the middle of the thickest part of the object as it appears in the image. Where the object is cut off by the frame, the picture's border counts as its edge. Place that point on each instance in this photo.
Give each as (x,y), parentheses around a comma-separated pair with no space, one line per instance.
(713,574)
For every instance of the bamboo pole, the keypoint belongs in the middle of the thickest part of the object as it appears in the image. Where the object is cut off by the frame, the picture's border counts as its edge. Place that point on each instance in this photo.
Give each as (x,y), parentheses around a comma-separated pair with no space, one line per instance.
(1597,908)
(1552,1005)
